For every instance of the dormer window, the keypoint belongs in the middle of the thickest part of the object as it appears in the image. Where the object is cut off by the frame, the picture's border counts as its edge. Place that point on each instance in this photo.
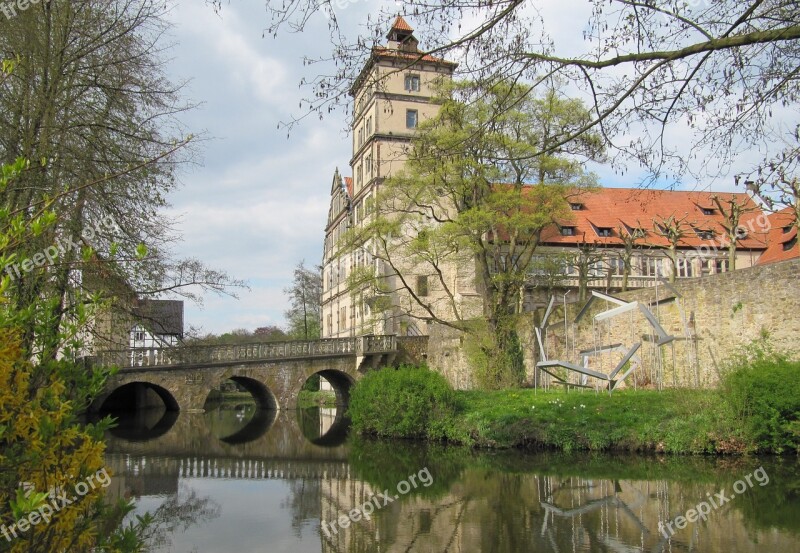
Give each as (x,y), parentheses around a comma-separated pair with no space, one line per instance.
(708,210)
(576,206)
(787,229)
(567,231)
(790,244)
(705,234)
(604,231)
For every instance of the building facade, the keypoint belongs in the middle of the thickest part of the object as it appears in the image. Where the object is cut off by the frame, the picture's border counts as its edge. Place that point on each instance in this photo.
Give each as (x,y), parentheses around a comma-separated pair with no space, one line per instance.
(392,95)
(615,239)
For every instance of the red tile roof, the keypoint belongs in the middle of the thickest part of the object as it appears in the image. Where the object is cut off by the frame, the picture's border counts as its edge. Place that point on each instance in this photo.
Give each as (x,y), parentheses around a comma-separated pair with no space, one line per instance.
(778,237)
(411,56)
(628,209)
(348,182)
(401,25)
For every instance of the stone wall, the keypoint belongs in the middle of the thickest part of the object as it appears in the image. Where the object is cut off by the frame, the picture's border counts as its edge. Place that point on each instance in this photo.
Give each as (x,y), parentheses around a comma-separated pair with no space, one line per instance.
(412,350)
(446,355)
(711,318)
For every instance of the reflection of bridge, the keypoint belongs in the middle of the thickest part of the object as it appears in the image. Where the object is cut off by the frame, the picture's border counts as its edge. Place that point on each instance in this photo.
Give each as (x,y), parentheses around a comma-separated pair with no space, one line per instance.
(220,467)
(183,377)
(194,435)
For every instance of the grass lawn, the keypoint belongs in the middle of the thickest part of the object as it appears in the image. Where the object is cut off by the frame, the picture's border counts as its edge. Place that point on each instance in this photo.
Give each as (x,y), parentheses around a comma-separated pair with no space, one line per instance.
(316,399)
(676,421)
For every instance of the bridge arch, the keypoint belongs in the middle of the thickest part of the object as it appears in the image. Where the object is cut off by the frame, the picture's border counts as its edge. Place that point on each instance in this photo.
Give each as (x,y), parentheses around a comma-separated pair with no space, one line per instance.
(264,397)
(136,396)
(340,381)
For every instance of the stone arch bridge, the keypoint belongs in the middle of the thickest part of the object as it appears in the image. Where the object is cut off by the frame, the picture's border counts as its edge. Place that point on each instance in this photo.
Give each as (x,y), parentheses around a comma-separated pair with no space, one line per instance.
(182,378)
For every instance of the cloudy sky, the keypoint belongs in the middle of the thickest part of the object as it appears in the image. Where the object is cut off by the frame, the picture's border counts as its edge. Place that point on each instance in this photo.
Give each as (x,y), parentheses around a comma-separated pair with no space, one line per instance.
(257,203)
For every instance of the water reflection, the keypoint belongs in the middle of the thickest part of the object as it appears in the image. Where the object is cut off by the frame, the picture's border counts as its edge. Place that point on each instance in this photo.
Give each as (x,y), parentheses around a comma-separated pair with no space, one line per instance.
(239,423)
(324,426)
(272,492)
(143,425)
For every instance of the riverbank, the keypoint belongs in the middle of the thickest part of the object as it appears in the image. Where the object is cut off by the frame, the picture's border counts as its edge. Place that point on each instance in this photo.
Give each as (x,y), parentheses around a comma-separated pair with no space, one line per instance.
(756,410)
(308,399)
(672,421)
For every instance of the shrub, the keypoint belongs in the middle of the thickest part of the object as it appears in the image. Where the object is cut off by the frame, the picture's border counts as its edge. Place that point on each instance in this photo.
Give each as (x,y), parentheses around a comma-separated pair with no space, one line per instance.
(763,390)
(408,402)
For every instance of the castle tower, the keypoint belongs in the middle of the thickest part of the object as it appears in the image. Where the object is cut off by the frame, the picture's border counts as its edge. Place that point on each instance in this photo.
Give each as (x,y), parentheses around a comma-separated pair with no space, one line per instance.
(392,95)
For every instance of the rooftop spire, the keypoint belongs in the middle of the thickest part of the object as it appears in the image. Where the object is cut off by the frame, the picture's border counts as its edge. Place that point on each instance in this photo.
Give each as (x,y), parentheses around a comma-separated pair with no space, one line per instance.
(401,36)
(400,24)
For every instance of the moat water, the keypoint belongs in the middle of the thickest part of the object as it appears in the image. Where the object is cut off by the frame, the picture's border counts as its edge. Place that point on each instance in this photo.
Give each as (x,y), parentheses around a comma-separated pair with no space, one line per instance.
(239,480)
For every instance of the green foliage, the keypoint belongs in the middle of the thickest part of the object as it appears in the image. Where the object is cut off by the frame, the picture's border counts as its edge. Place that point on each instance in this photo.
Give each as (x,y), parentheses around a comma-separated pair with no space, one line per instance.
(762,388)
(671,421)
(305,295)
(384,463)
(408,402)
(495,365)
(306,399)
(43,447)
(312,384)
(240,336)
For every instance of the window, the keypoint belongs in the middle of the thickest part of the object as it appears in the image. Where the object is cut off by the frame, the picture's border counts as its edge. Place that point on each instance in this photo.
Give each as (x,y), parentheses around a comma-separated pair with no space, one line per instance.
(708,210)
(576,206)
(685,268)
(368,163)
(412,83)
(617,266)
(369,126)
(139,336)
(343,318)
(422,285)
(721,265)
(567,231)
(359,176)
(603,231)
(790,244)
(360,137)
(649,266)
(705,234)
(787,230)
(330,324)
(411,119)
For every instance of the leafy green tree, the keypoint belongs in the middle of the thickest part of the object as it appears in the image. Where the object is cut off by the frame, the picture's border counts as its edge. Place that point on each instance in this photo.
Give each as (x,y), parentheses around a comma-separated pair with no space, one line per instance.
(305,294)
(270,333)
(89,105)
(44,449)
(472,200)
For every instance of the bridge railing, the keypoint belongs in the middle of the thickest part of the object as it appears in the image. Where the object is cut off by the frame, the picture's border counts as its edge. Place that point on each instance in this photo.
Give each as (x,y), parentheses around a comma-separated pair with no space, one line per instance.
(199,355)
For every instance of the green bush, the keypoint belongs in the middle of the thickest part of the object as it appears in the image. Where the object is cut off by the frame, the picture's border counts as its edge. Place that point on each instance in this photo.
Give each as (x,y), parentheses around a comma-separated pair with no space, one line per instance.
(408,402)
(764,393)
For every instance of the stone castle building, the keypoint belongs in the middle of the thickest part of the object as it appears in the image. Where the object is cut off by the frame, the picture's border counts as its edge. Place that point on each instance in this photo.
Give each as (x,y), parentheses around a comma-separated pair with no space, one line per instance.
(615,239)
(392,94)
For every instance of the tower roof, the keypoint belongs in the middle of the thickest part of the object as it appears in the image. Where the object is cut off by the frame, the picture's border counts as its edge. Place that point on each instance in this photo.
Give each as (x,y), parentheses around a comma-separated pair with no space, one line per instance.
(400,24)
